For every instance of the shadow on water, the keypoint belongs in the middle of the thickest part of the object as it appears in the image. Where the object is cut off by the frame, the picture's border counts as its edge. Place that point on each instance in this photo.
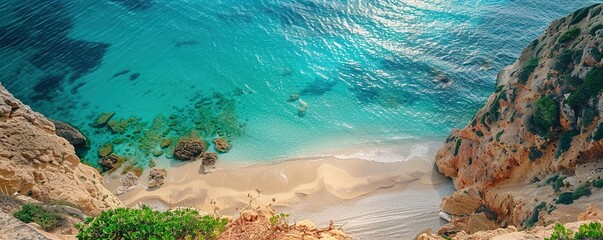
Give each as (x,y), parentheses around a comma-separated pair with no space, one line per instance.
(42,28)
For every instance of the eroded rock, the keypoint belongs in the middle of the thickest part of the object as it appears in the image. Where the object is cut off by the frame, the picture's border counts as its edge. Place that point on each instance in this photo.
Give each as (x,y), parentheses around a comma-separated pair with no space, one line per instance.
(188,149)
(157,177)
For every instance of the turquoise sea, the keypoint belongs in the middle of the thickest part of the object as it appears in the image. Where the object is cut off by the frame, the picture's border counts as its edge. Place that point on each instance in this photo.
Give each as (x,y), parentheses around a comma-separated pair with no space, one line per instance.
(370,74)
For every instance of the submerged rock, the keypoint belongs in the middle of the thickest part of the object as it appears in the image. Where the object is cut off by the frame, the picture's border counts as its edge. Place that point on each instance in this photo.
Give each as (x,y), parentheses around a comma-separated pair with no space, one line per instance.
(188,149)
(102,119)
(221,145)
(118,126)
(105,150)
(166,142)
(110,162)
(157,177)
(122,72)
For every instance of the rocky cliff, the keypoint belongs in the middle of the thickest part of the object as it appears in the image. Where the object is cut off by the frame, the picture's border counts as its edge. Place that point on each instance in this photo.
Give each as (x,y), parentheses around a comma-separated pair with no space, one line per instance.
(34,161)
(532,153)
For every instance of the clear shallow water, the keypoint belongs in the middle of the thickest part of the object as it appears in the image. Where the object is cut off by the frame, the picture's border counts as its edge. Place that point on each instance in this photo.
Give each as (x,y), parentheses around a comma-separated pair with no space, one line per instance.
(370,72)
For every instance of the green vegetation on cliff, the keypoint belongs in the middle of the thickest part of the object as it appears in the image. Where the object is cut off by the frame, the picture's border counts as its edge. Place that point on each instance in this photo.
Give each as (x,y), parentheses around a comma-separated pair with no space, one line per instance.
(545,116)
(35,213)
(586,231)
(527,70)
(146,223)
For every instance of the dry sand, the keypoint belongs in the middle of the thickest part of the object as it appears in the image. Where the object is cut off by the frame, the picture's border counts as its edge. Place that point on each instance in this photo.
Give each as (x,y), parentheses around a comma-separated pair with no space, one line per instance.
(392,200)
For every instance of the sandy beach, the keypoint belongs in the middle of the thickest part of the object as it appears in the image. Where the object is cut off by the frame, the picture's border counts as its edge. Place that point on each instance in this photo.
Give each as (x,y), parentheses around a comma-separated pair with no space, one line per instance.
(349,189)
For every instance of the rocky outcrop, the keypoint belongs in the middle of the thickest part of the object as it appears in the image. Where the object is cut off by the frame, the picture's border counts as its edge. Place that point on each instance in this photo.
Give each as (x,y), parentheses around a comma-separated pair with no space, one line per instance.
(188,149)
(34,161)
(71,134)
(221,145)
(542,121)
(156,177)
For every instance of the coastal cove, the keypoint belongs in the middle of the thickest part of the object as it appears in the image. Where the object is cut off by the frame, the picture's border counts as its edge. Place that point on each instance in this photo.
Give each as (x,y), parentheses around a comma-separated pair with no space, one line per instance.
(301,120)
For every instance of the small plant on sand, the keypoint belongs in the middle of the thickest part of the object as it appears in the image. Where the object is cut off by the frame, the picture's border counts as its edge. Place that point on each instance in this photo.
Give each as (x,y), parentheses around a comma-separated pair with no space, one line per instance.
(279,219)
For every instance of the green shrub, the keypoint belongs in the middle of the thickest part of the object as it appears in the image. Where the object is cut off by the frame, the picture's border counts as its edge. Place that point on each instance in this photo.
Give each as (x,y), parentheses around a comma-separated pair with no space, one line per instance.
(458,145)
(534,153)
(36,213)
(479,133)
(596,54)
(598,183)
(527,70)
(592,86)
(582,190)
(545,116)
(146,223)
(565,198)
(588,231)
(565,142)
(558,183)
(499,134)
(598,135)
(594,29)
(552,179)
(571,33)
(564,59)
(581,14)
(588,116)
(560,233)
(535,213)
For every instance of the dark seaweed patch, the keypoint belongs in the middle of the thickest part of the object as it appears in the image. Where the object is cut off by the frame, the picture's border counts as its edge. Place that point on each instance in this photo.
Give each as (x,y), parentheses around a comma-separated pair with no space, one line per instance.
(46,85)
(318,87)
(81,56)
(134,76)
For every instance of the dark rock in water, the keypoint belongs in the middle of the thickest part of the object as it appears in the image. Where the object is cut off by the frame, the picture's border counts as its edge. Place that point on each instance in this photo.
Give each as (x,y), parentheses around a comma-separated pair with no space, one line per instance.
(134,76)
(71,134)
(110,162)
(318,87)
(135,5)
(123,72)
(221,145)
(188,149)
(186,43)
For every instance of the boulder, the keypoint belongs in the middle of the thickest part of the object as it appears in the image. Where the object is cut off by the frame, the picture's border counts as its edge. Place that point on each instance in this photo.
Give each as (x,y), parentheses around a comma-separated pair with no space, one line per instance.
(102,119)
(209,158)
(157,177)
(166,142)
(128,182)
(105,150)
(462,202)
(188,149)
(110,162)
(221,145)
(71,134)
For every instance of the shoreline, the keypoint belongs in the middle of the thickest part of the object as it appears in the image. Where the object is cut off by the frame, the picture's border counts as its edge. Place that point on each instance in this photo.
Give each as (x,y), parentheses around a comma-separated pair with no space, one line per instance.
(307,187)
(284,181)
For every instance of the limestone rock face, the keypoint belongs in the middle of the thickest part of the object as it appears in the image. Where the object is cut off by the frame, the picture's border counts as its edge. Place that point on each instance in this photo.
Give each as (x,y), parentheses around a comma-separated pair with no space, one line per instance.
(542,120)
(35,161)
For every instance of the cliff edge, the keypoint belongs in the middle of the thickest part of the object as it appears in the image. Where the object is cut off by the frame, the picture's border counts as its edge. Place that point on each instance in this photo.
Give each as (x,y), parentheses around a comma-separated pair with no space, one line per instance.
(35,162)
(532,154)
